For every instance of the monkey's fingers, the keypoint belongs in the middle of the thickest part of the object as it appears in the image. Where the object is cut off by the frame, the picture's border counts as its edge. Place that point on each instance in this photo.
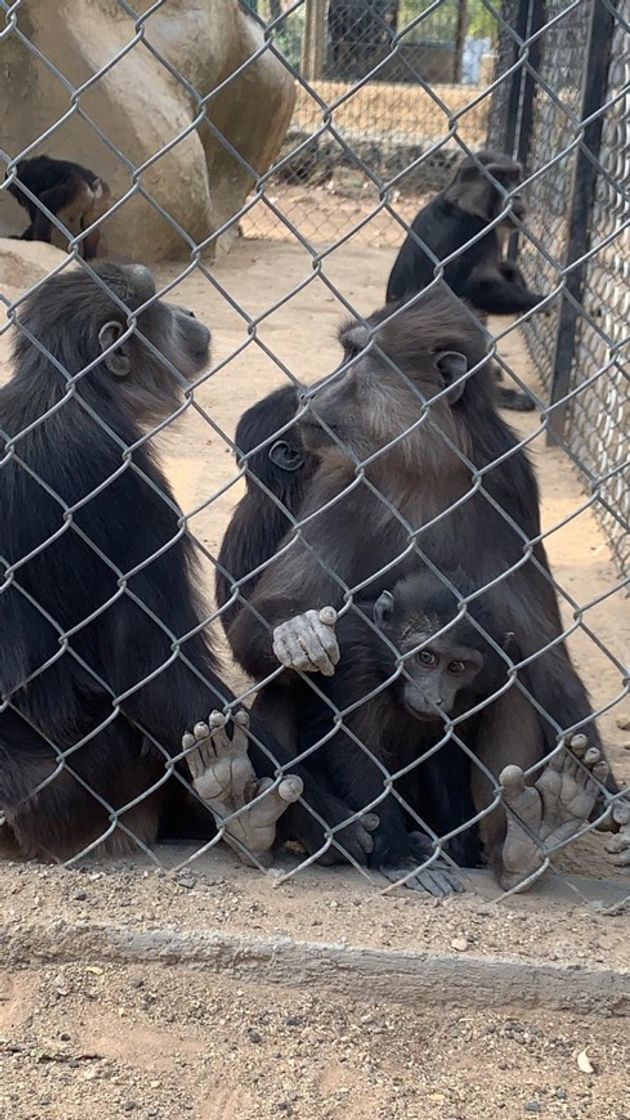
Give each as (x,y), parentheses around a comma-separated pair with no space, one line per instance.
(619,847)
(306,644)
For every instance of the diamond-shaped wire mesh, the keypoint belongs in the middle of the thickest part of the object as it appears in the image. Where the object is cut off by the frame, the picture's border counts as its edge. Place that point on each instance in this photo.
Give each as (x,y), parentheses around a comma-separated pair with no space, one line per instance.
(388,96)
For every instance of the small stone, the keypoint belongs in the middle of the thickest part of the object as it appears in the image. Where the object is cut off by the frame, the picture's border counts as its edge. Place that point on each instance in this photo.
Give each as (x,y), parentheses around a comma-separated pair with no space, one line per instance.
(284,1106)
(80,896)
(292,1021)
(128,1106)
(533,1106)
(187,882)
(460,944)
(623,723)
(254,1036)
(64,1036)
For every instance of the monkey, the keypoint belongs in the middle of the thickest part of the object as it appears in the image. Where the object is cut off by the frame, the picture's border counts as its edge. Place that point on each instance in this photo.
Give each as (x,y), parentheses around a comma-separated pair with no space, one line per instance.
(278,469)
(480,274)
(105,659)
(74,194)
(408,659)
(416,465)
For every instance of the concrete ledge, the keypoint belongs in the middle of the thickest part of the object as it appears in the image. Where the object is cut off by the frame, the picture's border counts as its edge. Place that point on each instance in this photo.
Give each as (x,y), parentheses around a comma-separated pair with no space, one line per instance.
(397,977)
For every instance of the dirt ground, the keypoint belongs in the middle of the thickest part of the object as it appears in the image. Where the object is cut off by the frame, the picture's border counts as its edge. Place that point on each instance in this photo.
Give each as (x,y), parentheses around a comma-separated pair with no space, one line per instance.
(166,1042)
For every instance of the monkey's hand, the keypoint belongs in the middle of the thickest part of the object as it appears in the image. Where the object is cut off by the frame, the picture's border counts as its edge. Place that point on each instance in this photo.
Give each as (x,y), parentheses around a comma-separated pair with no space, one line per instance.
(619,845)
(308,642)
(224,778)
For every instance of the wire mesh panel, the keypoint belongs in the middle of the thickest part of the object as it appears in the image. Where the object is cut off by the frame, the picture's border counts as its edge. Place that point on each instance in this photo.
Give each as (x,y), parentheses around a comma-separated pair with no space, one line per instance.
(360,528)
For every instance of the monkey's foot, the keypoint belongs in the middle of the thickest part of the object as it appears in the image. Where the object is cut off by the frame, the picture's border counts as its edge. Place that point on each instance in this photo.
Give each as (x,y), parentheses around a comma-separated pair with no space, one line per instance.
(224,778)
(553,810)
(439,878)
(308,642)
(619,845)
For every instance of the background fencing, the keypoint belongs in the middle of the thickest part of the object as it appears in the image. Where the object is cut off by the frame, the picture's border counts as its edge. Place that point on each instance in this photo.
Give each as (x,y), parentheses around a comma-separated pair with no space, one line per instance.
(388,94)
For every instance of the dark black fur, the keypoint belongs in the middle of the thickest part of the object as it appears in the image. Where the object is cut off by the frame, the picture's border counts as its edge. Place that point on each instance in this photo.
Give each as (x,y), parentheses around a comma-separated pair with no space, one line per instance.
(83,625)
(278,464)
(479,274)
(58,183)
(358,541)
(438,790)
(449,221)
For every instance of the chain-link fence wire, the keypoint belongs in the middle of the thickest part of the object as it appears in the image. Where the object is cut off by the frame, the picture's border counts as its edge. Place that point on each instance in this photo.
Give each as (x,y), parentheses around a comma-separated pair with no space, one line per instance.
(248,805)
(389,121)
(596,427)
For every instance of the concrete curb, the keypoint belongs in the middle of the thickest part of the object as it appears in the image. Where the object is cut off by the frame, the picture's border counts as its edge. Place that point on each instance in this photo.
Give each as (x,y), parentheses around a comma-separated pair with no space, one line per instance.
(396,977)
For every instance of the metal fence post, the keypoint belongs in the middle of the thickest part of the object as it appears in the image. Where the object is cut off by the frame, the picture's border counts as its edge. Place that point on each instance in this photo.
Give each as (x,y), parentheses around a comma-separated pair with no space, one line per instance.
(519,124)
(594,90)
(314,44)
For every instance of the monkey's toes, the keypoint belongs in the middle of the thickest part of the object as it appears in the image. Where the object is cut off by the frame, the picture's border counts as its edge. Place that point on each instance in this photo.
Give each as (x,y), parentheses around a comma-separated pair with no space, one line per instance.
(619,847)
(512,780)
(291,788)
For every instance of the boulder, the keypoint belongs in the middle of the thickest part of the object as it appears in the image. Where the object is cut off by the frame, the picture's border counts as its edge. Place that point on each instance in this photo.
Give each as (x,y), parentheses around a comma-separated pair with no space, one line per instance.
(145,107)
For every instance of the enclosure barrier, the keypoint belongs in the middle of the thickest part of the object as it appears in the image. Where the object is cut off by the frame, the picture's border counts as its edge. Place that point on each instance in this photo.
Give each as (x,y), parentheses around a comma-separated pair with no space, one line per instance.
(558,100)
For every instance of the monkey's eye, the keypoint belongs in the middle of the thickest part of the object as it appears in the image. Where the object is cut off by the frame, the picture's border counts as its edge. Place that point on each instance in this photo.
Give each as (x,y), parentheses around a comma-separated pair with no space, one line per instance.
(457,667)
(284,456)
(427,657)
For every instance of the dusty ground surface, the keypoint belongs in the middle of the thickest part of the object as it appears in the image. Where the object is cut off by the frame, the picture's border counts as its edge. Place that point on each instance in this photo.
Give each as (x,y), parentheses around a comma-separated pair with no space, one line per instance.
(166,1041)
(169,1042)
(167,1045)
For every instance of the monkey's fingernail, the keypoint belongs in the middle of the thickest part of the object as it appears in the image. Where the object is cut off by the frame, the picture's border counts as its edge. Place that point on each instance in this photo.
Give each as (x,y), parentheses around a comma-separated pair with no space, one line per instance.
(370,821)
(242,717)
(217,719)
(578,744)
(201,731)
(188,741)
(328,616)
(621,812)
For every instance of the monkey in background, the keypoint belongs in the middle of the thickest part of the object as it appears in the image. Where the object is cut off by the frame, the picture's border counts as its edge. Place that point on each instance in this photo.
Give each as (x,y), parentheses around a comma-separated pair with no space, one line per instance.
(74,194)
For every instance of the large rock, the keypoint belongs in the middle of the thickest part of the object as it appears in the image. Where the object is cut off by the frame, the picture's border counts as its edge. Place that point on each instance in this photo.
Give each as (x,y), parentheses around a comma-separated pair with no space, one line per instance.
(152,129)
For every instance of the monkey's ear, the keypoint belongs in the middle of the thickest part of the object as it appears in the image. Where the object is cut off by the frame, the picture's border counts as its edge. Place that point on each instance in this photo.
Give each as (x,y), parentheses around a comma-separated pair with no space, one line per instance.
(452,365)
(284,456)
(117,361)
(383,608)
(355,339)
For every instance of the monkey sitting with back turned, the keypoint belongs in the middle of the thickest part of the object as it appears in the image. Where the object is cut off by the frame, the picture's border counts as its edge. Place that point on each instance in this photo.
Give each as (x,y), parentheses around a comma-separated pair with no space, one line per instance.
(74,194)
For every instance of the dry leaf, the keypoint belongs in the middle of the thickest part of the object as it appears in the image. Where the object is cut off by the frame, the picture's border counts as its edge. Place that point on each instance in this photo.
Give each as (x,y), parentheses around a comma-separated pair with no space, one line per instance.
(584,1063)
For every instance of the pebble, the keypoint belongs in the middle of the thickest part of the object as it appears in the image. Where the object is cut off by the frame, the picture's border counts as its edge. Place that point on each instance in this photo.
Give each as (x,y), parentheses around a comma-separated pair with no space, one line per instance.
(533,1106)
(254,1036)
(460,944)
(80,896)
(128,1106)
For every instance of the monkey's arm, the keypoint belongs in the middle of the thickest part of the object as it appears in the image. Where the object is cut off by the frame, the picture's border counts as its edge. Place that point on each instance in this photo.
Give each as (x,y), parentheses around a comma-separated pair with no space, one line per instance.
(498,297)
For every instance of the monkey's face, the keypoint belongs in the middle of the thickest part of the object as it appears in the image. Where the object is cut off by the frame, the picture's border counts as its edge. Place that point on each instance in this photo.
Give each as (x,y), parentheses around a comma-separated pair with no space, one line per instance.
(384,391)
(151,365)
(436,670)
(486,193)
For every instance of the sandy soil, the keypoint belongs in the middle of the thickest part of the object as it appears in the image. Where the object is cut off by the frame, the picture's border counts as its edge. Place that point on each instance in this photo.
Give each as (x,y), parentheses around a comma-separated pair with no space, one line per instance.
(94,1041)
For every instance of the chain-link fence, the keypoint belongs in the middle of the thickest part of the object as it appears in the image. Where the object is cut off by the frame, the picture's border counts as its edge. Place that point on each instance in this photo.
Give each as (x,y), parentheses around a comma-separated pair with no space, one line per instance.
(382,580)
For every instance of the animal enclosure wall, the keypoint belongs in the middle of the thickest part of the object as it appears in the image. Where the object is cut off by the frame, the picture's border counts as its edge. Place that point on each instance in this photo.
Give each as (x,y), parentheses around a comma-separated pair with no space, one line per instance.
(389,98)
